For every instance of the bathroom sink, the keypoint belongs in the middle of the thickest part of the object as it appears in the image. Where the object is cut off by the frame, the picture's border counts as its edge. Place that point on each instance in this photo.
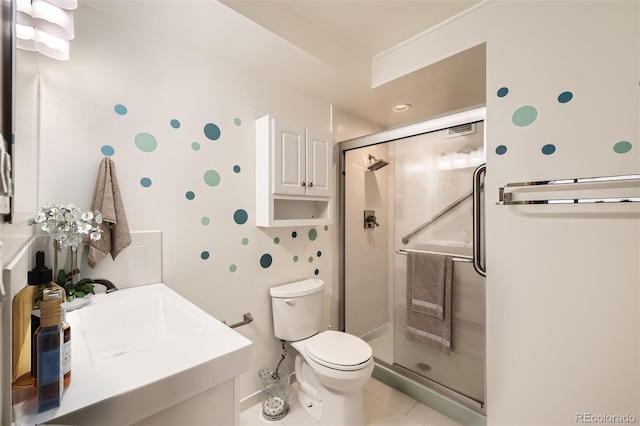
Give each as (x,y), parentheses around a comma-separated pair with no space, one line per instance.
(138,351)
(145,318)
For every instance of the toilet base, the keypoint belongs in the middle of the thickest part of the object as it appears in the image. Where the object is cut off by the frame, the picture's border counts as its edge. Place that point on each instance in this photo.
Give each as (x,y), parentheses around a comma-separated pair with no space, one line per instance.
(325,405)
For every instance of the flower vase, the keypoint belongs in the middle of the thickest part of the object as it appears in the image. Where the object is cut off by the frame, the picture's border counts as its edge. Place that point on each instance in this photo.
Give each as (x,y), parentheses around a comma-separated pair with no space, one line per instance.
(56,248)
(75,272)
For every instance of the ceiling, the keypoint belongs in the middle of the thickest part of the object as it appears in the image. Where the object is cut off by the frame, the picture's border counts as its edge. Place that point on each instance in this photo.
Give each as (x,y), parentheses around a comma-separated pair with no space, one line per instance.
(324,48)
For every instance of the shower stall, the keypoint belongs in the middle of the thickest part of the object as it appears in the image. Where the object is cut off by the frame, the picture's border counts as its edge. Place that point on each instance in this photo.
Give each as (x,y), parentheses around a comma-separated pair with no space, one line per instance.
(416,189)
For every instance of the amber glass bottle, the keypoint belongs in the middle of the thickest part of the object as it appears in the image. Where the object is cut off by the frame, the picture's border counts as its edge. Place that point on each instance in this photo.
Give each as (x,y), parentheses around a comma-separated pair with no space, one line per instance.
(25,303)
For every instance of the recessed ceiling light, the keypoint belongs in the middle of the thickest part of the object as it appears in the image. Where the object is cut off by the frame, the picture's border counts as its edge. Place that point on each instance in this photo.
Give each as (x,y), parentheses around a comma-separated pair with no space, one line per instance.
(401,107)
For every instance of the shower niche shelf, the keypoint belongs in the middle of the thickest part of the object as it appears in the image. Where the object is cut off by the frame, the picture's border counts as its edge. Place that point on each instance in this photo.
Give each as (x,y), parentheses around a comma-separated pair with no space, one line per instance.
(293,174)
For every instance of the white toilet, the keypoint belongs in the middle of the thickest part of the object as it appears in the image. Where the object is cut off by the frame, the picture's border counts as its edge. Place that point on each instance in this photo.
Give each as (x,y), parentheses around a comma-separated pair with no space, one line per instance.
(331,367)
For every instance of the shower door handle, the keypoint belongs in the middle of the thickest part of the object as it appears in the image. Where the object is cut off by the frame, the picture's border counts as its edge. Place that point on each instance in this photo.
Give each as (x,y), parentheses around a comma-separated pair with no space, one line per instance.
(477,220)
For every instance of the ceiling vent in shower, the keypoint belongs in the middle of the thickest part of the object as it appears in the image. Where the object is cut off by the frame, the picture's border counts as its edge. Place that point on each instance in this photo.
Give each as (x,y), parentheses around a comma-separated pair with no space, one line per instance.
(461,130)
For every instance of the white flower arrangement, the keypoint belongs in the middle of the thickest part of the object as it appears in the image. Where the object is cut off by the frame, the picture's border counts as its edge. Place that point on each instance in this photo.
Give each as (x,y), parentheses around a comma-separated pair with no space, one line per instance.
(67,224)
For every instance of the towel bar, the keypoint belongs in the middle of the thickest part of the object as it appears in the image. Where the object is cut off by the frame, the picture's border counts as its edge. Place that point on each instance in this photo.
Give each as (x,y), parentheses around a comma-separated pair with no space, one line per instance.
(506,198)
(455,258)
(247,318)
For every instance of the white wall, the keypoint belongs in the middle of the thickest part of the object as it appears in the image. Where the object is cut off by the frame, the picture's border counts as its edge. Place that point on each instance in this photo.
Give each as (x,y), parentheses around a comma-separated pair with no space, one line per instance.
(157,80)
(367,250)
(563,325)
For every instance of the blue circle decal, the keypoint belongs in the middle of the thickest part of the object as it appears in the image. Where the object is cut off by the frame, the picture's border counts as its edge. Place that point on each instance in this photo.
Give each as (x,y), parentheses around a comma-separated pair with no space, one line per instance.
(212,131)
(107,150)
(175,123)
(502,92)
(146,182)
(266,260)
(501,149)
(548,149)
(565,97)
(240,216)
(120,109)
(204,255)
(190,195)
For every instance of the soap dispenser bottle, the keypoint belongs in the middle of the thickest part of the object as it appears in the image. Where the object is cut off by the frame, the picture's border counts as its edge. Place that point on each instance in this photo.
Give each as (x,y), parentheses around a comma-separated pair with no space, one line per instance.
(25,303)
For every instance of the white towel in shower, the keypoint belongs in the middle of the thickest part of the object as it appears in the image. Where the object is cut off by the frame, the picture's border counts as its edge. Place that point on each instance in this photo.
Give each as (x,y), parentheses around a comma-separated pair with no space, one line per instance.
(426,328)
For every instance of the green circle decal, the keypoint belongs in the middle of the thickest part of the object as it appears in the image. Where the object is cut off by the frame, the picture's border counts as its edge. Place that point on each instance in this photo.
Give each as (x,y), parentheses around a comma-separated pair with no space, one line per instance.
(622,147)
(524,116)
(211,178)
(146,142)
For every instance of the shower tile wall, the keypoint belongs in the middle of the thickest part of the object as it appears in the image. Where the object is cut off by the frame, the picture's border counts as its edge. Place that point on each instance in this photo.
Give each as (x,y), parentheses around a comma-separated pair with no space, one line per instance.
(367,250)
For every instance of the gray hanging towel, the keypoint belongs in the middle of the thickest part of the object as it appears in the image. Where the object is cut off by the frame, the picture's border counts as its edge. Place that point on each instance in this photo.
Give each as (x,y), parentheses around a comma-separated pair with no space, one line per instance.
(108,201)
(429,291)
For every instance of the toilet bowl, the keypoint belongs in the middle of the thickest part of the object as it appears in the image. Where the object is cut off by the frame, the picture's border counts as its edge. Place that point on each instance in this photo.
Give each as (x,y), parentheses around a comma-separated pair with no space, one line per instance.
(331,366)
(331,370)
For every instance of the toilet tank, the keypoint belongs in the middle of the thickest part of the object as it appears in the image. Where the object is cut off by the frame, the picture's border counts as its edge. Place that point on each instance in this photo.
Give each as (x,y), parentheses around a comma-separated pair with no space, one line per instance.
(297,309)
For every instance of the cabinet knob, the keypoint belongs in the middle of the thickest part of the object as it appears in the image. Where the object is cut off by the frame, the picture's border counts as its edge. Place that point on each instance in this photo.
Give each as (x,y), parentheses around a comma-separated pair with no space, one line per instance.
(310,184)
(304,183)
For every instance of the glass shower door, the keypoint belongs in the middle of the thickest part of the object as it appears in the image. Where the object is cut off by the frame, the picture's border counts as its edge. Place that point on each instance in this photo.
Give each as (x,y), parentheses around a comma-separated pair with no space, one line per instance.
(432,172)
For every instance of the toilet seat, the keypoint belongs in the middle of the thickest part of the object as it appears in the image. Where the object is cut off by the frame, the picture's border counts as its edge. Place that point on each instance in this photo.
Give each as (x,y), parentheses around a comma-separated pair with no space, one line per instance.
(339,351)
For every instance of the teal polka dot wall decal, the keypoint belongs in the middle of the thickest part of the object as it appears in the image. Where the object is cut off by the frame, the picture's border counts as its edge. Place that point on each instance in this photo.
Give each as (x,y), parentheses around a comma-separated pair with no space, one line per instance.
(205,220)
(212,131)
(319,253)
(245,241)
(107,150)
(295,258)
(190,195)
(195,146)
(313,234)
(237,121)
(236,168)
(211,178)
(524,116)
(175,123)
(120,109)
(276,240)
(204,255)
(548,149)
(240,216)
(294,234)
(266,260)
(310,259)
(233,268)
(326,227)
(146,182)
(565,97)
(502,92)
(622,147)
(316,272)
(146,142)
(501,149)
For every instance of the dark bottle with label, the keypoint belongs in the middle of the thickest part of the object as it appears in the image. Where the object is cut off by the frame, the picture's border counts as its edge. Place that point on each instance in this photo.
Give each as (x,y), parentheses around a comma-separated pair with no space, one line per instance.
(49,342)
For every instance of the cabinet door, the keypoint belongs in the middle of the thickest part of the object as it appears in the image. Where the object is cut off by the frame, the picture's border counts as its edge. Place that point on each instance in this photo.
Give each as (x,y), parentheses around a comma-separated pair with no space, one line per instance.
(288,158)
(319,161)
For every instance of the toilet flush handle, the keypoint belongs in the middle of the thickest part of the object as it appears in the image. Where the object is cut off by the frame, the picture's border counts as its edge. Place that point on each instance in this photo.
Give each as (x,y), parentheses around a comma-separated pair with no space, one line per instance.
(289,301)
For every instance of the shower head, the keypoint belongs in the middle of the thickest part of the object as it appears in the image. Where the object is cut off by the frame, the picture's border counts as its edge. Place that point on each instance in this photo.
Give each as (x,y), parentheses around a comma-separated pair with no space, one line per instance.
(375,164)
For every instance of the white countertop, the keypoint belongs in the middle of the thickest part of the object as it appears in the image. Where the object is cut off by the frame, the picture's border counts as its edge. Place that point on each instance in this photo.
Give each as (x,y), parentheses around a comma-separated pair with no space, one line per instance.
(138,351)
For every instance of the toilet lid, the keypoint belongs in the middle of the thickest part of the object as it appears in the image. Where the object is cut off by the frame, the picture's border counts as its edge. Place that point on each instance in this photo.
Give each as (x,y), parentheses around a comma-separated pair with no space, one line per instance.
(338,350)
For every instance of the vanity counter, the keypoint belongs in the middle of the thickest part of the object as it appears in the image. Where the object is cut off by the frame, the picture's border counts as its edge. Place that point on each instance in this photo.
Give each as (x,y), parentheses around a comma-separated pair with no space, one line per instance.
(138,352)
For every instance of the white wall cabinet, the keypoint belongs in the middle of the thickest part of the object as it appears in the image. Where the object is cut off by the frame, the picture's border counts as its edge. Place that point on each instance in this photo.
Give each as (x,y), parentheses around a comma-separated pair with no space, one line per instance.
(293,174)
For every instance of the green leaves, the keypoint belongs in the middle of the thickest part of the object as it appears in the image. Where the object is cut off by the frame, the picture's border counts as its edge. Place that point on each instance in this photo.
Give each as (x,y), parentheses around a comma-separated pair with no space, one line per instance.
(80,289)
